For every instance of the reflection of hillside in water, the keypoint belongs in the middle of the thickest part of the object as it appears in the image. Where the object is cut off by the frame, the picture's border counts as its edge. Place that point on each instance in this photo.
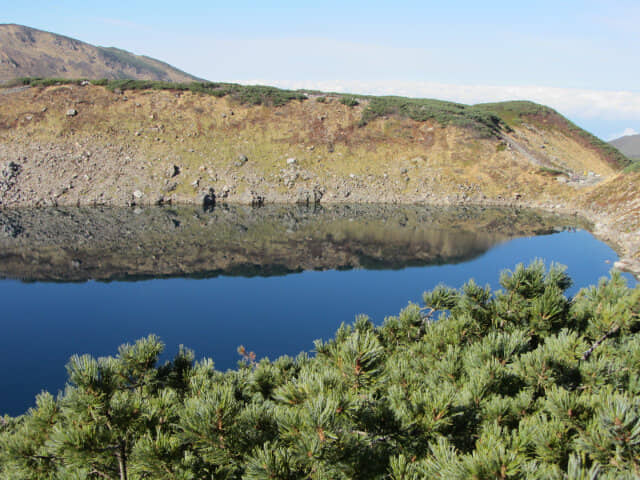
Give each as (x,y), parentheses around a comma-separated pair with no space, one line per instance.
(78,244)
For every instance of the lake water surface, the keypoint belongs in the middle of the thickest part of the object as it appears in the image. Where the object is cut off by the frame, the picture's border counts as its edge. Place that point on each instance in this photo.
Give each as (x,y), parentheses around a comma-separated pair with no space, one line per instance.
(272,279)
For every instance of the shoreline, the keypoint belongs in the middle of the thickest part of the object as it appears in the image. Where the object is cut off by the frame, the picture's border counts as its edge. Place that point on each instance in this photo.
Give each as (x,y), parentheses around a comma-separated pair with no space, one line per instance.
(601,226)
(74,145)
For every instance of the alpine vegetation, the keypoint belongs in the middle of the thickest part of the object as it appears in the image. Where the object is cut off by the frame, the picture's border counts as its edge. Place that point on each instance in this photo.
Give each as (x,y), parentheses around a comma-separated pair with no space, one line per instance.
(519,383)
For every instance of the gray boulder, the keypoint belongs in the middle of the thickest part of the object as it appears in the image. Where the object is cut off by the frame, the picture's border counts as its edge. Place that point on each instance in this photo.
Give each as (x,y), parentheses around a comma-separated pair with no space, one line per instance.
(173,171)
(242,159)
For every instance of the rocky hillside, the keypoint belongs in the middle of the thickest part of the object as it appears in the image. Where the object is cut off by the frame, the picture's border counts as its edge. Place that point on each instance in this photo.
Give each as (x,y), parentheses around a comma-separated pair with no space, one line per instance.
(72,144)
(614,207)
(27,52)
(629,145)
(125,143)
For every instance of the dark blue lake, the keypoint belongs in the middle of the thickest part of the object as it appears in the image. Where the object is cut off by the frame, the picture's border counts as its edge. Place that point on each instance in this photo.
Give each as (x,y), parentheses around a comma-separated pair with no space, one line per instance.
(273,280)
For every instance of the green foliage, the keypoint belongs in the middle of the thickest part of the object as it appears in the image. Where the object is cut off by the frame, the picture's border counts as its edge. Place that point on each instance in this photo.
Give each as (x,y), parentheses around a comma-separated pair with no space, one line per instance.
(43,82)
(515,112)
(484,121)
(553,172)
(349,101)
(243,94)
(633,167)
(519,383)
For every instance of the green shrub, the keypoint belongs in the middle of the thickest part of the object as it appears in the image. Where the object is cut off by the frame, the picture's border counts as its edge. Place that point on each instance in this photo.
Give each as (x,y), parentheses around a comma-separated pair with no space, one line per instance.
(634,166)
(44,82)
(349,101)
(243,94)
(554,172)
(486,123)
(519,383)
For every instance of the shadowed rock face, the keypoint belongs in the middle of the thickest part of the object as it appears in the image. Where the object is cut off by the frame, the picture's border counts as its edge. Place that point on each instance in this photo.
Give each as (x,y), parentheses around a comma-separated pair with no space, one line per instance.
(79,244)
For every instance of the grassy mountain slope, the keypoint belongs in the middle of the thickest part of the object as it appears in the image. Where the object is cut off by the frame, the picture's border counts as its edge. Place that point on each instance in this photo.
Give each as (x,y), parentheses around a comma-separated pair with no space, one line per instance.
(629,145)
(253,143)
(519,115)
(27,52)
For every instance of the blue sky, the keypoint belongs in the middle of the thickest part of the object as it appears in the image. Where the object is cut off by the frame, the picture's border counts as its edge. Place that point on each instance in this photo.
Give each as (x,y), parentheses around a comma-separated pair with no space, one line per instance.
(578,57)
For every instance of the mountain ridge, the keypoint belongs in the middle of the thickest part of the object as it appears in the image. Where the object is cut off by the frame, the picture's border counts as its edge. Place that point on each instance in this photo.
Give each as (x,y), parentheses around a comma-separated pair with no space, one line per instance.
(29,52)
(629,145)
(355,148)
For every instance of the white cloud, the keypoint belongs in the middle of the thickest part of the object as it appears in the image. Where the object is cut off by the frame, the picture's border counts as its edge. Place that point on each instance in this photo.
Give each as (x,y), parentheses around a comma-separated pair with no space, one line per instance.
(626,132)
(580,103)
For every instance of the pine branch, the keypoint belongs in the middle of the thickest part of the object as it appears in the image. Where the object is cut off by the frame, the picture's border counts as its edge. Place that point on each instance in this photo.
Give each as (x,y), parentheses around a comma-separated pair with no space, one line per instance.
(44,457)
(367,435)
(612,331)
(99,473)
(426,318)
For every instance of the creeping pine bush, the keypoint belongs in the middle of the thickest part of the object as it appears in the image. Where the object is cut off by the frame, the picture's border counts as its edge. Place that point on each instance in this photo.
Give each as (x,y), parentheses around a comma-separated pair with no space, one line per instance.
(520,383)
(243,94)
(349,101)
(483,121)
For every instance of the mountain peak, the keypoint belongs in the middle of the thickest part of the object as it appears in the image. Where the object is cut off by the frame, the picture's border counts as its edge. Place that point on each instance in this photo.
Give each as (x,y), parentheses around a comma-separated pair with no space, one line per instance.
(629,145)
(29,52)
